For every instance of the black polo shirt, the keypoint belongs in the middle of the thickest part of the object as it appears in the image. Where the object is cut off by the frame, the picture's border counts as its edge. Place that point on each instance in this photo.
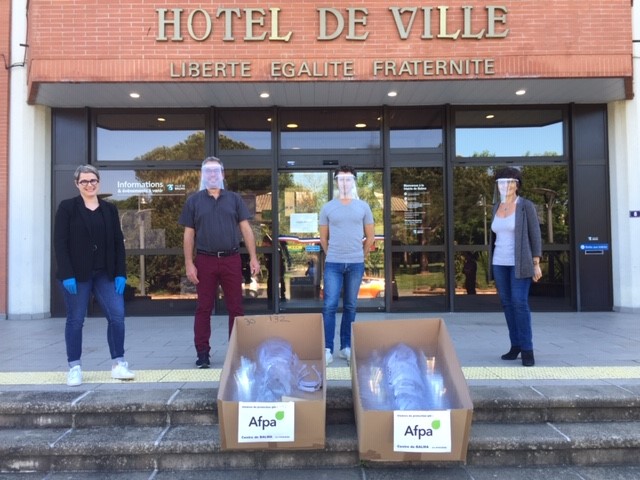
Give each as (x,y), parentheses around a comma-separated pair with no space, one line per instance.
(215,220)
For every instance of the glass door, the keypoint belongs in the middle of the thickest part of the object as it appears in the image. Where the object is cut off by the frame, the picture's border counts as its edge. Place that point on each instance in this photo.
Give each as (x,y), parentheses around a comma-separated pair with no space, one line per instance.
(300,265)
(418,260)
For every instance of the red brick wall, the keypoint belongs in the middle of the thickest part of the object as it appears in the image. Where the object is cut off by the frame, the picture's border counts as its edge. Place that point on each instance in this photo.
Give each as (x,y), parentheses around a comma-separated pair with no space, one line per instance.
(95,40)
(5,36)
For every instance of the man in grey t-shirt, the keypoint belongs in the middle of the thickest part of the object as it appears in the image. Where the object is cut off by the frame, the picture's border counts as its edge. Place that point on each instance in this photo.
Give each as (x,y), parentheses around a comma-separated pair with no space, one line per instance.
(344,221)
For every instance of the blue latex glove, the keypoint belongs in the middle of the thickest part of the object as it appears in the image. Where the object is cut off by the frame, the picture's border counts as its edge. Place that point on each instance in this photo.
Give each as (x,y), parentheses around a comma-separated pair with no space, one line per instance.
(70,286)
(120,283)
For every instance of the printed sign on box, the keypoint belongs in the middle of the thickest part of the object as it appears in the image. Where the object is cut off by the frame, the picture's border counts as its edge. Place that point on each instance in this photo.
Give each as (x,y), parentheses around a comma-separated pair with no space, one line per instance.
(422,431)
(266,422)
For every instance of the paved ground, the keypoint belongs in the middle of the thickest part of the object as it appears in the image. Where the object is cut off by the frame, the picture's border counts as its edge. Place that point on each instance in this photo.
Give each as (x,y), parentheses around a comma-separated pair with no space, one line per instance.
(570,348)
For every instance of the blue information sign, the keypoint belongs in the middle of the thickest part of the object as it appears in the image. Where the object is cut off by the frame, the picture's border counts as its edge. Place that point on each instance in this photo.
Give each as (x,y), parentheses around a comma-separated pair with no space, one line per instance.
(594,246)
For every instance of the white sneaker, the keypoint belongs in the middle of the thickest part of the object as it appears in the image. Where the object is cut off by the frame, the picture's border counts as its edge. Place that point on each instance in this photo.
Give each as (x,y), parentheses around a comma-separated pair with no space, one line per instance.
(74,377)
(121,371)
(346,353)
(328,357)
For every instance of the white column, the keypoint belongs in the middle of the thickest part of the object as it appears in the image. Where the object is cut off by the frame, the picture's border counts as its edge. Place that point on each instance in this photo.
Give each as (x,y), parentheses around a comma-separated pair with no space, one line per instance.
(29,242)
(624,153)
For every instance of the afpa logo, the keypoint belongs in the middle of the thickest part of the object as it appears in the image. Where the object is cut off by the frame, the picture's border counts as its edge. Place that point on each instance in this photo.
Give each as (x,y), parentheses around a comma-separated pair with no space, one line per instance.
(170,187)
(418,432)
(263,423)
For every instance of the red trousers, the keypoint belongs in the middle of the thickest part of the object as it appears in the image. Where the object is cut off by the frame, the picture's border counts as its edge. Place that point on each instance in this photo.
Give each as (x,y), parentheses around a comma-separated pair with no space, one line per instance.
(213,271)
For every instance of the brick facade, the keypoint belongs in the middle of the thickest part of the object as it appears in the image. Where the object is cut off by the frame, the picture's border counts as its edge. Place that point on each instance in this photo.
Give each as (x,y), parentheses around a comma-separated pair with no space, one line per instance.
(97,41)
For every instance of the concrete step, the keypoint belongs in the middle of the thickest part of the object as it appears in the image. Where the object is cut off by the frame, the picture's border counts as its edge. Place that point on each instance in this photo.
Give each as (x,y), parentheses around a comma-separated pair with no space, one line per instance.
(355,473)
(161,407)
(124,448)
(165,430)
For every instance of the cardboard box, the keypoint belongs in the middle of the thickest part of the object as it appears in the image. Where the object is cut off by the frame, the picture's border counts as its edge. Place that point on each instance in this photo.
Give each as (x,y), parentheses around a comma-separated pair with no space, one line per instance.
(305,332)
(376,427)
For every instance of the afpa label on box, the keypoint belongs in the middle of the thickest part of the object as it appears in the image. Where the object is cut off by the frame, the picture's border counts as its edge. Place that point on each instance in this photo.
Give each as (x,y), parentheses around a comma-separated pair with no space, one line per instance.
(266,422)
(422,431)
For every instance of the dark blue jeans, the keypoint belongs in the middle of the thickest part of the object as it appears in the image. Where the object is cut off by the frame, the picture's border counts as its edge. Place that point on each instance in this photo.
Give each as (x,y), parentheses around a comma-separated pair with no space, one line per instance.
(337,276)
(112,305)
(514,296)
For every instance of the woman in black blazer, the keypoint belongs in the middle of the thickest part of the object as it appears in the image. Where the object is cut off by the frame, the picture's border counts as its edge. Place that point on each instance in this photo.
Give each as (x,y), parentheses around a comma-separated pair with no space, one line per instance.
(90,256)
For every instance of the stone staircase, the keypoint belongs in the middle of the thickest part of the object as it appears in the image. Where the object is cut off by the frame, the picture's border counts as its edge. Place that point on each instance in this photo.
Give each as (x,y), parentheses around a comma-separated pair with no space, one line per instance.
(167,430)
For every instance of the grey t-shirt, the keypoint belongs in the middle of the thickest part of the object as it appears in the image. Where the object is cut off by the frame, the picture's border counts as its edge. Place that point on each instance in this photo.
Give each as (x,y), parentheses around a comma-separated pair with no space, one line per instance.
(215,220)
(346,229)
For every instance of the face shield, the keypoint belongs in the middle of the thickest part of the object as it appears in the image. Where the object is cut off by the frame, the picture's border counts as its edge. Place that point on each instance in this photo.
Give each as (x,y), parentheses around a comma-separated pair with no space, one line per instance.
(505,187)
(346,186)
(211,176)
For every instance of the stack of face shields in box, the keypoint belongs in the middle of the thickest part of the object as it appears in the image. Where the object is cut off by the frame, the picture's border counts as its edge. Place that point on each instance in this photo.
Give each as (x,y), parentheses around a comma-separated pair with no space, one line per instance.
(276,373)
(400,379)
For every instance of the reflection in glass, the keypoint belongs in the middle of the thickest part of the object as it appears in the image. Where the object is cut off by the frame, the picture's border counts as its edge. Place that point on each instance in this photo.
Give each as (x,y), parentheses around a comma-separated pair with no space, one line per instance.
(255,187)
(150,136)
(301,196)
(329,130)
(372,288)
(474,197)
(472,273)
(244,130)
(473,191)
(410,279)
(150,202)
(415,128)
(509,133)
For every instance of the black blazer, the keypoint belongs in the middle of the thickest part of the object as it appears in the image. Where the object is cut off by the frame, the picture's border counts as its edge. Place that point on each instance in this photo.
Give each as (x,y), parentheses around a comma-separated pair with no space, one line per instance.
(74,247)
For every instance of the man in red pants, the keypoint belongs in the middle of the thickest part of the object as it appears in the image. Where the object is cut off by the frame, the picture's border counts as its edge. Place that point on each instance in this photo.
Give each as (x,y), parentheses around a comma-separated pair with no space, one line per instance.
(213,220)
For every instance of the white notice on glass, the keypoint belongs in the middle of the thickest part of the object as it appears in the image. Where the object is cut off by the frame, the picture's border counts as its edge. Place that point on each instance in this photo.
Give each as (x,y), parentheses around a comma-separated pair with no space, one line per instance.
(303,223)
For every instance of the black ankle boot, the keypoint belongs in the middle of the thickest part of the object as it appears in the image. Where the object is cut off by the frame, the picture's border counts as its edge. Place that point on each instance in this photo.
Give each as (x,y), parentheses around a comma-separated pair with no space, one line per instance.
(527,358)
(511,354)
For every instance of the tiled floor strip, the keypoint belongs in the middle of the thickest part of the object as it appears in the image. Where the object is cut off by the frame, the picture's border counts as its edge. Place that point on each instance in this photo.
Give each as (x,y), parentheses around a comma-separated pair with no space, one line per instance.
(333,373)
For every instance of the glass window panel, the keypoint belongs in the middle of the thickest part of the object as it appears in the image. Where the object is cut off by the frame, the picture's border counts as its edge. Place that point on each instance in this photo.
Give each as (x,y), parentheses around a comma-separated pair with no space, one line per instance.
(301,195)
(415,129)
(370,190)
(473,199)
(150,136)
(244,130)
(473,189)
(255,187)
(472,273)
(509,133)
(372,288)
(417,206)
(157,277)
(149,203)
(546,186)
(330,129)
(418,281)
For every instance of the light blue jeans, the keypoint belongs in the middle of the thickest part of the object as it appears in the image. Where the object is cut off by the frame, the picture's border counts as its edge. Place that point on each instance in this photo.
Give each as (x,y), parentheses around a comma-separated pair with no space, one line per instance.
(337,276)
(112,305)
(514,296)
